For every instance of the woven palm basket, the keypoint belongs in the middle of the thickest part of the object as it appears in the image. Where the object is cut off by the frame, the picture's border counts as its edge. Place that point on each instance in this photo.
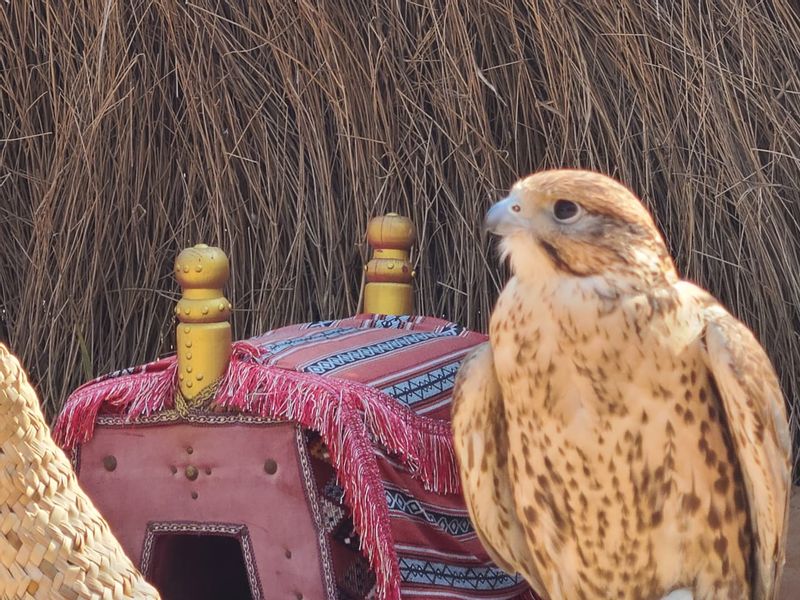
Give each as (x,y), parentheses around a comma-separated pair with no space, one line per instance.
(54,544)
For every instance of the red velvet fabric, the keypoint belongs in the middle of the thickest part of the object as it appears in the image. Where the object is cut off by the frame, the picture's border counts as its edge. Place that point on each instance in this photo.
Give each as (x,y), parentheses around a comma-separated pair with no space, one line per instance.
(149,483)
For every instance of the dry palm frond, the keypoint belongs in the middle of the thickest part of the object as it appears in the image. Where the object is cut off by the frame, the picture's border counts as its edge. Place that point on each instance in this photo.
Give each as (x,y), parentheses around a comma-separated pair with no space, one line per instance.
(129,130)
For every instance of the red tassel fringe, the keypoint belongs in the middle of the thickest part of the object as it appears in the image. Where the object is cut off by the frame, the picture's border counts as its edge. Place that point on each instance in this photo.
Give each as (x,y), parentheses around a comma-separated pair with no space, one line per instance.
(320,405)
(346,414)
(145,391)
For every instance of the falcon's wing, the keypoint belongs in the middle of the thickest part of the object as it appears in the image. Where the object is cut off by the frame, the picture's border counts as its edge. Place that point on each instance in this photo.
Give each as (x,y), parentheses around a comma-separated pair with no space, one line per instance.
(481,445)
(754,405)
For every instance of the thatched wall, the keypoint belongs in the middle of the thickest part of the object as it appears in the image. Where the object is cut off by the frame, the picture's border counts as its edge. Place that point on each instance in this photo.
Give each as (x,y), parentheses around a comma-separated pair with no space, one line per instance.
(277,129)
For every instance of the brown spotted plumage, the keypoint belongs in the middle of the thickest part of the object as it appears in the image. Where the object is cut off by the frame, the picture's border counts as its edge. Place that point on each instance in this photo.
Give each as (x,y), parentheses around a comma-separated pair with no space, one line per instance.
(622,435)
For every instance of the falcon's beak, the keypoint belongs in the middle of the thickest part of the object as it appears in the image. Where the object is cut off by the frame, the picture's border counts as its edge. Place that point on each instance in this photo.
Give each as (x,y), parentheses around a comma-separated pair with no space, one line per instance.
(502,218)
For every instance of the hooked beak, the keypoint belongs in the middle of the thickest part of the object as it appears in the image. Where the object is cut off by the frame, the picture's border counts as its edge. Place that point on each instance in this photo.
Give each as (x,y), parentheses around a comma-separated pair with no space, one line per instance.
(501,218)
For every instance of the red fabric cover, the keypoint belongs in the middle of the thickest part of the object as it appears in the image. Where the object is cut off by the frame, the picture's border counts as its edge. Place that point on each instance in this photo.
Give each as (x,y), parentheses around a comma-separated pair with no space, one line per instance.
(142,489)
(378,390)
(449,345)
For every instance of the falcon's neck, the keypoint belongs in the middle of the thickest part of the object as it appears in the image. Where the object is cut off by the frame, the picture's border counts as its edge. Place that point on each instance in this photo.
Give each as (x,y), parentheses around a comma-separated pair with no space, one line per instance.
(605,270)
(566,346)
(530,308)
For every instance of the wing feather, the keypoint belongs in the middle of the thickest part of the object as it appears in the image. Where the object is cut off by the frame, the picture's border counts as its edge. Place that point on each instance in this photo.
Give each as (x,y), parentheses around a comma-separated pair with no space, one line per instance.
(756,411)
(481,445)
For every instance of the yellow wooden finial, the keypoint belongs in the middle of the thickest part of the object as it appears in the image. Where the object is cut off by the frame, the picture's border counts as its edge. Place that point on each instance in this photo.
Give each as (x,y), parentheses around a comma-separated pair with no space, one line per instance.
(389,275)
(204,333)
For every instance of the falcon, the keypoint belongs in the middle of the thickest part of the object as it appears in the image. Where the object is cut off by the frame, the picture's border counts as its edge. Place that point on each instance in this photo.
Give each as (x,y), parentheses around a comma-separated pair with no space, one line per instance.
(620,435)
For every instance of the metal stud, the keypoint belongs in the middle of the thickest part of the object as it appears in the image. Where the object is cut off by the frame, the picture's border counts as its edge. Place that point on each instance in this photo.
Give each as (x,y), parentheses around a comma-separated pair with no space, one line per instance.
(191,473)
(109,462)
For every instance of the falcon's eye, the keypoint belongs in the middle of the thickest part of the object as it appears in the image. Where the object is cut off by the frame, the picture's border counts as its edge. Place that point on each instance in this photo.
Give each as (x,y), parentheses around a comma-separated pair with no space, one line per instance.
(567,211)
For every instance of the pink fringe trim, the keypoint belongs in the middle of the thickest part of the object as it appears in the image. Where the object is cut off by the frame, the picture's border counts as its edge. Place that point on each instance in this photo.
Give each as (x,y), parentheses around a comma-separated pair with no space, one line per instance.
(332,410)
(348,415)
(144,391)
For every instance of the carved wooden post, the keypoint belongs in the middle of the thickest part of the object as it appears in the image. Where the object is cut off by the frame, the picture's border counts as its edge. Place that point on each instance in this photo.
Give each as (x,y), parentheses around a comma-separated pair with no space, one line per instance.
(389,289)
(204,332)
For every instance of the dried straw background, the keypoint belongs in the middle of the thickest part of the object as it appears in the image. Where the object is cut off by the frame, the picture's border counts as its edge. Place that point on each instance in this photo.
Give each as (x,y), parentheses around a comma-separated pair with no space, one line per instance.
(129,130)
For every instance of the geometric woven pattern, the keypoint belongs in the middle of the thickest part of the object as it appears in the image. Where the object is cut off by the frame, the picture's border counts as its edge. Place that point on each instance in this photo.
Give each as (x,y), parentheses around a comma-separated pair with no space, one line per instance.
(454,525)
(424,386)
(332,515)
(412,359)
(54,544)
(336,361)
(456,577)
(359,581)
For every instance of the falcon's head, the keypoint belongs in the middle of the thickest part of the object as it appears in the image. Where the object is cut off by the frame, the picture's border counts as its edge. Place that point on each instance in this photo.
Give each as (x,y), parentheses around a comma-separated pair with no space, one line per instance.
(580,224)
